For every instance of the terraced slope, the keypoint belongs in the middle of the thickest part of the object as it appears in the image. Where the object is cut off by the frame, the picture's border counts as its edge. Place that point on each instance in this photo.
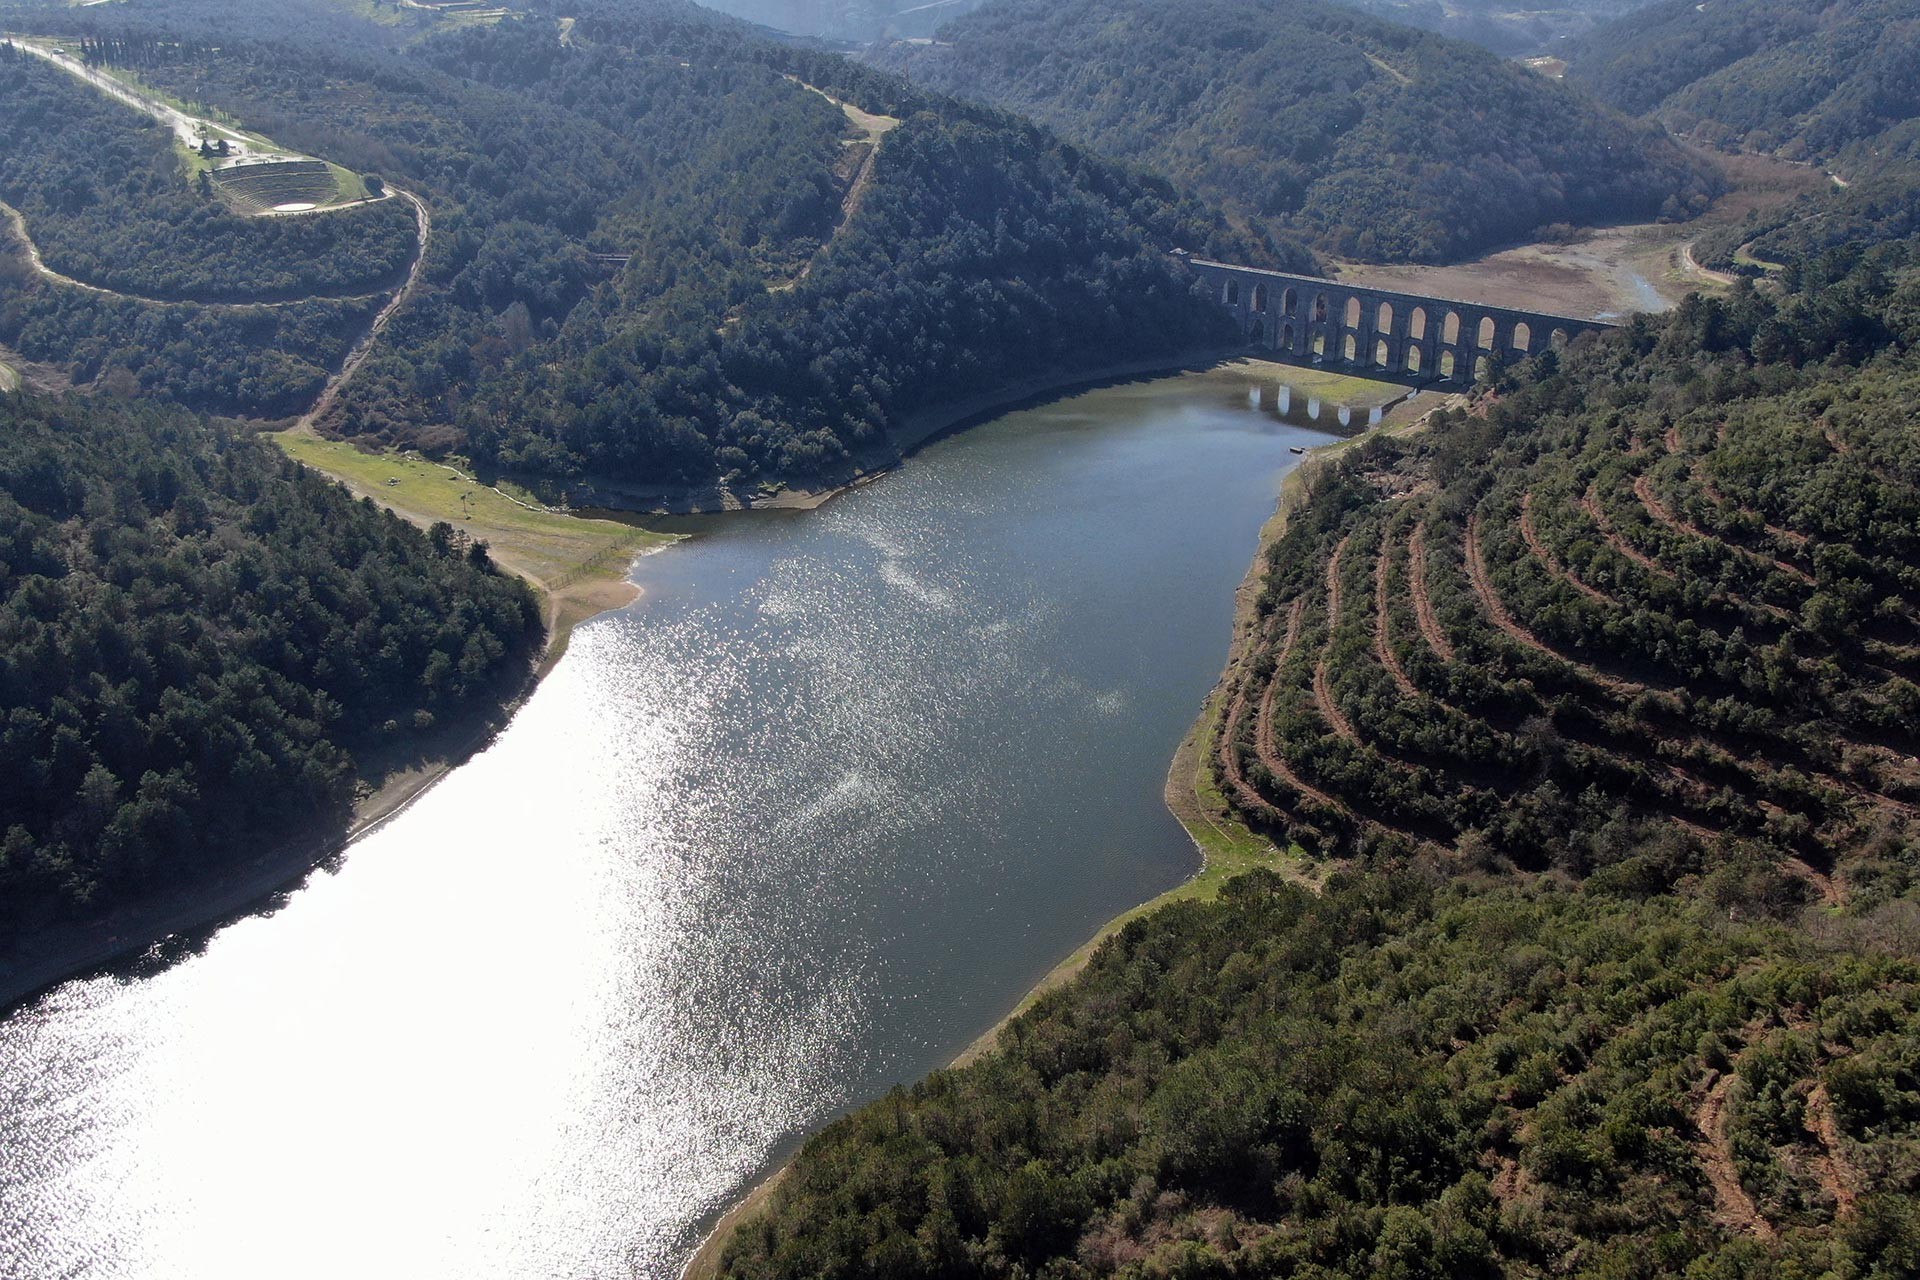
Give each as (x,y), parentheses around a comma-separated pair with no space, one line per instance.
(1492,1080)
(260,188)
(1695,606)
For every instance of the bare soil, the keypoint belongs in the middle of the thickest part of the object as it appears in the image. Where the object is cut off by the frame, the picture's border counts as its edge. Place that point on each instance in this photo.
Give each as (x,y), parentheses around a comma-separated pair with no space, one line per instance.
(1382,634)
(1835,1170)
(1322,694)
(1733,1207)
(1430,627)
(1606,272)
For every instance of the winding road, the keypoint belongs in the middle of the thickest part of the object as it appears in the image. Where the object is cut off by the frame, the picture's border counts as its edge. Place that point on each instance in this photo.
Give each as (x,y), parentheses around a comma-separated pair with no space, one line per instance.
(423,230)
(189,129)
(39,264)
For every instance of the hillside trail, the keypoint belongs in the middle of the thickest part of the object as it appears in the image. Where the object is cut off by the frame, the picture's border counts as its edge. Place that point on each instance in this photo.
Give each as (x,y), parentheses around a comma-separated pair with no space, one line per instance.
(1263,723)
(1322,691)
(187,129)
(876,127)
(1544,554)
(1611,536)
(1423,611)
(1690,265)
(1496,611)
(1660,511)
(1734,1208)
(1834,1170)
(423,232)
(1382,636)
(18,222)
(1250,797)
(1697,472)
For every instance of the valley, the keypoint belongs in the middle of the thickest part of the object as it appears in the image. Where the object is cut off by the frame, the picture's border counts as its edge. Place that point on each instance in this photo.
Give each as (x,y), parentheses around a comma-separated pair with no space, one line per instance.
(1611,271)
(626,645)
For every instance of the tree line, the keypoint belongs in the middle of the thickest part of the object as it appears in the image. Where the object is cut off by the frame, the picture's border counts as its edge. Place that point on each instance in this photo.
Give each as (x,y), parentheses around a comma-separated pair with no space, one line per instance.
(197,636)
(106,200)
(1372,139)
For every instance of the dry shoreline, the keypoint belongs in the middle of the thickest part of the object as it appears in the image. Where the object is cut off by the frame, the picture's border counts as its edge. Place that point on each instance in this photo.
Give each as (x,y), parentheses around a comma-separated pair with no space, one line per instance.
(914,433)
(133,930)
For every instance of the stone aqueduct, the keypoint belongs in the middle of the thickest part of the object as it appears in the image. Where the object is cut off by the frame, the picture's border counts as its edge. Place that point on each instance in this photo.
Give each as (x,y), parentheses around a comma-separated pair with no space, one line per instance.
(1310,319)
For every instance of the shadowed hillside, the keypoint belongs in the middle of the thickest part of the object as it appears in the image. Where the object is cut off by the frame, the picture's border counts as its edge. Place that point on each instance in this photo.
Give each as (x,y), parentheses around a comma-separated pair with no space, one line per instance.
(1805,78)
(1376,139)
(668,253)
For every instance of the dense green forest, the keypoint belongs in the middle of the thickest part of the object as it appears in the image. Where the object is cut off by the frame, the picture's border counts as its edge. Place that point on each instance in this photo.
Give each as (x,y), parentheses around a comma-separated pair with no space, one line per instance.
(1536,28)
(257,360)
(102,191)
(1808,79)
(1500,26)
(1400,1080)
(1665,580)
(789,294)
(1597,702)
(196,636)
(1375,139)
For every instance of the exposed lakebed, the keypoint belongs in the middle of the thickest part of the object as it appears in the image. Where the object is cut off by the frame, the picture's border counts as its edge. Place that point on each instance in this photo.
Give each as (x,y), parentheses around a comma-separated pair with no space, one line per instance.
(795,827)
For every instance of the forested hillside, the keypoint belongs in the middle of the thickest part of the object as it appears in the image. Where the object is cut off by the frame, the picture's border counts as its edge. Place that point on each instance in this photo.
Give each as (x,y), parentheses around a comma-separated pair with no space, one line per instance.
(1598,701)
(1831,84)
(1808,79)
(1399,1080)
(1664,582)
(1375,139)
(788,294)
(1505,28)
(101,189)
(196,636)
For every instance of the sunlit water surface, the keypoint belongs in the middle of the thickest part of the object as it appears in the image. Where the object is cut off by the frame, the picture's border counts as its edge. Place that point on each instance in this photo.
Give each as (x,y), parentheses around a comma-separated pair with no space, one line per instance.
(795,827)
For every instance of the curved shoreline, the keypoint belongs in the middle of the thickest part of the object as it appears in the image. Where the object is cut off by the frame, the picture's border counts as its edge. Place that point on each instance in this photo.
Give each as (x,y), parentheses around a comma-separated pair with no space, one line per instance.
(139,928)
(1227,848)
(914,432)
(101,945)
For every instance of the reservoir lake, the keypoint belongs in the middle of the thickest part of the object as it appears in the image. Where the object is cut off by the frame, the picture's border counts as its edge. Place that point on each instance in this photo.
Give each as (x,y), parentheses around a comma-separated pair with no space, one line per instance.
(795,827)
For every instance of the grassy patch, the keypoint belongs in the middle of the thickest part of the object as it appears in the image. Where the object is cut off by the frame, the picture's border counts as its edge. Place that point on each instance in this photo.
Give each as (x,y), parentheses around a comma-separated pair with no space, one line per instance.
(1326,384)
(579,564)
(9,378)
(352,187)
(874,126)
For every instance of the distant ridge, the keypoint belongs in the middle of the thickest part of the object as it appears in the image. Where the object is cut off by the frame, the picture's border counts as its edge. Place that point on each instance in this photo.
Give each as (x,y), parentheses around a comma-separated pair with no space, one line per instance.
(1374,139)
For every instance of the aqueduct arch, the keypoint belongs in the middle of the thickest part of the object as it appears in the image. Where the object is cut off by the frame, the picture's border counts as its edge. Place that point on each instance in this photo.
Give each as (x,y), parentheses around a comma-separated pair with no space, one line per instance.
(1401,334)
